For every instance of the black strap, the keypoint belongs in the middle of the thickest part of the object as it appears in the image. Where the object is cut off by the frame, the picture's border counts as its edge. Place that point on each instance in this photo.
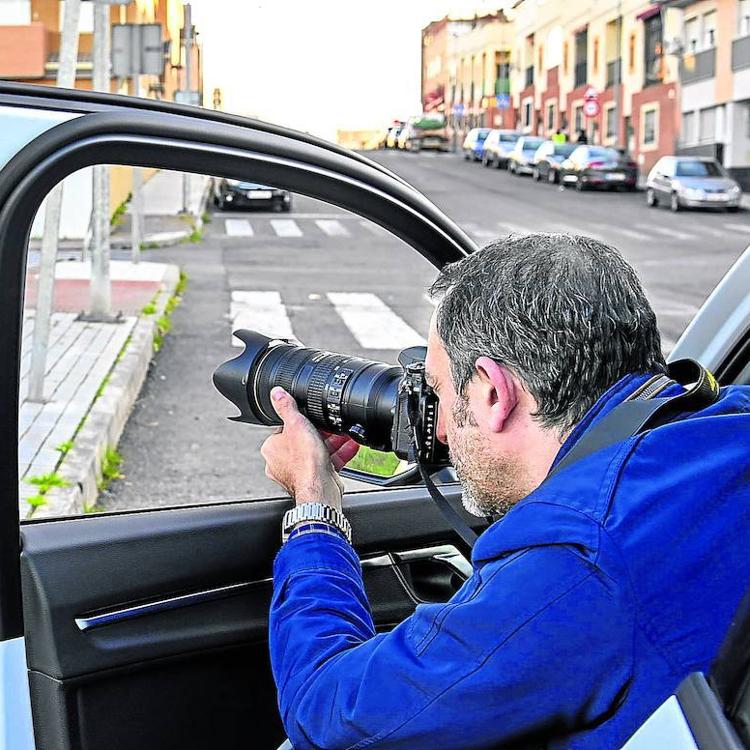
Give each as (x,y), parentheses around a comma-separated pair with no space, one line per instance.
(643,411)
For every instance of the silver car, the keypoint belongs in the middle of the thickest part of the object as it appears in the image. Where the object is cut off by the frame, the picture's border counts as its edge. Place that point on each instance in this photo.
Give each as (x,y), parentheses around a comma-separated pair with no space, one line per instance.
(692,182)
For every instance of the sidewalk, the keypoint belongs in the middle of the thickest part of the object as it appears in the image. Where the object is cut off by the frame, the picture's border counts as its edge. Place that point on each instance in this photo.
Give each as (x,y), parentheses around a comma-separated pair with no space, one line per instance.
(70,432)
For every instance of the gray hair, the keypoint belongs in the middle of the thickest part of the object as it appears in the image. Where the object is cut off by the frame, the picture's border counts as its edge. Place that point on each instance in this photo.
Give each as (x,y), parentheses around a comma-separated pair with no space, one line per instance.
(565,313)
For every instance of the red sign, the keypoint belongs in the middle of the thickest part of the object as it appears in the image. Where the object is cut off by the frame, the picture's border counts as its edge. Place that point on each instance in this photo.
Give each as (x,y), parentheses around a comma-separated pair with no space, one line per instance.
(591,94)
(591,108)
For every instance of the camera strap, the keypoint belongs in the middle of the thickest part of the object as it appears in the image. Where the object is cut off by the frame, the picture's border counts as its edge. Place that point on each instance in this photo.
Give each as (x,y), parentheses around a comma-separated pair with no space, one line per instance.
(643,410)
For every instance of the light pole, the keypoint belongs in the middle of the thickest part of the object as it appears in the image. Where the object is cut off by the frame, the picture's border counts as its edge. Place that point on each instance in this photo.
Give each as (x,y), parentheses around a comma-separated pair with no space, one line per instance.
(188,41)
(617,93)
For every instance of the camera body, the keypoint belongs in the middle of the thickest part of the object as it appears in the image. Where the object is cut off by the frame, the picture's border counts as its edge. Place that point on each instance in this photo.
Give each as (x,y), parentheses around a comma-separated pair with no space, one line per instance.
(384,407)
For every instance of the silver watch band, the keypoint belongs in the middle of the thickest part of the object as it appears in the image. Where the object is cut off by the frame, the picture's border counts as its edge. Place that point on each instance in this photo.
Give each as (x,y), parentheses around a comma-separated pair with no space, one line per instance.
(318,513)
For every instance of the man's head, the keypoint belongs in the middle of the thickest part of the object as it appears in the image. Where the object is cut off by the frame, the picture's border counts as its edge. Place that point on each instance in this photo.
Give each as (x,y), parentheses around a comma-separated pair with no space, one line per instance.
(528,333)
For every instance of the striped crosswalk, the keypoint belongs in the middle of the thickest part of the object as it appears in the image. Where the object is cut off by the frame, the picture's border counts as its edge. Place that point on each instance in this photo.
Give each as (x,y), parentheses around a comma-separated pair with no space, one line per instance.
(372,323)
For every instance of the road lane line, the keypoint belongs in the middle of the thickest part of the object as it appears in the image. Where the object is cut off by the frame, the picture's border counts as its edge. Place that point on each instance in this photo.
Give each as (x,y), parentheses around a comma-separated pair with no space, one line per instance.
(238,227)
(259,311)
(672,233)
(479,232)
(286,227)
(639,236)
(738,227)
(577,231)
(332,227)
(509,228)
(372,322)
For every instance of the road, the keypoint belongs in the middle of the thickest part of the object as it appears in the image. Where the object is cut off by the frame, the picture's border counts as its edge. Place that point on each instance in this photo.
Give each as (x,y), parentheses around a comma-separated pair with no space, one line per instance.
(336,282)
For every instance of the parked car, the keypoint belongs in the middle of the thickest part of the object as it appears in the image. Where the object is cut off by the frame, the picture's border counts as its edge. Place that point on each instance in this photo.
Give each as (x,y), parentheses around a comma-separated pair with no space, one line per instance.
(473,143)
(234,194)
(404,136)
(547,160)
(599,167)
(692,182)
(103,614)
(428,131)
(497,147)
(520,158)
(393,133)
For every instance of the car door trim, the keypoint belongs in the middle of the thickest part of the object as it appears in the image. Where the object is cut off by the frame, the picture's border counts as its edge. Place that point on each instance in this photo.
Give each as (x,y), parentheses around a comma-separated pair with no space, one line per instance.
(123,614)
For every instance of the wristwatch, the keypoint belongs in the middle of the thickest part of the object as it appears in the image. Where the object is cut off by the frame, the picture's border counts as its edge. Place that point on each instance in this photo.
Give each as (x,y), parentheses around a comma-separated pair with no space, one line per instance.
(315,513)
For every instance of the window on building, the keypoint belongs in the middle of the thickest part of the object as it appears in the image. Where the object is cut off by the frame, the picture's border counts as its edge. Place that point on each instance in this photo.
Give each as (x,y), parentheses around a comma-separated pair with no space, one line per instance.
(707,125)
(709,30)
(743,27)
(649,127)
(565,57)
(631,52)
(611,129)
(652,50)
(692,33)
(550,115)
(527,113)
(578,118)
(540,57)
(581,70)
(688,127)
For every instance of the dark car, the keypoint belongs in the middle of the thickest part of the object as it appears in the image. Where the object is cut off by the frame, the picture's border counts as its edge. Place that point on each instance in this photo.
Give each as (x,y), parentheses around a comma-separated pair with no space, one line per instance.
(599,167)
(692,182)
(230,194)
(497,147)
(520,158)
(548,158)
(474,143)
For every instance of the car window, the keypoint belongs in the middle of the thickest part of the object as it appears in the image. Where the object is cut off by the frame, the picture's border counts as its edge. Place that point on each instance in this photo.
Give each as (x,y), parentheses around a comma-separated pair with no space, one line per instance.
(564,149)
(509,137)
(531,143)
(127,416)
(690,168)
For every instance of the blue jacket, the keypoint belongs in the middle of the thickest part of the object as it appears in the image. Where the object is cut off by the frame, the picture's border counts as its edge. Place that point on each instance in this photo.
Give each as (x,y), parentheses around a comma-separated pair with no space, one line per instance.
(590,601)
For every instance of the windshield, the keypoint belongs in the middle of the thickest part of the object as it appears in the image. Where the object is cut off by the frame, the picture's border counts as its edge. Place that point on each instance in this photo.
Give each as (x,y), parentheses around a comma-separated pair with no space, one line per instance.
(692,168)
(565,149)
(482,134)
(530,144)
(509,137)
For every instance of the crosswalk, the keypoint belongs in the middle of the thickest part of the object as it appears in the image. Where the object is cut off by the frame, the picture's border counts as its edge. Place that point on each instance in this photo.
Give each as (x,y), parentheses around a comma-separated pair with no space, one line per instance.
(343,226)
(372,322)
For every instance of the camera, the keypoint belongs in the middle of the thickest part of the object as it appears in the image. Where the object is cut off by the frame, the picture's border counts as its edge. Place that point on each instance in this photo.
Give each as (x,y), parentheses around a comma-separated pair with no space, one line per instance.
(385,407)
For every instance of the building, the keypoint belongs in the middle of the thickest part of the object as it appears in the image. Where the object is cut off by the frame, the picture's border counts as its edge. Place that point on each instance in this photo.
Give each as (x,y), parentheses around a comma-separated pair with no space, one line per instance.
(465,71)
(712,45)
(612,51)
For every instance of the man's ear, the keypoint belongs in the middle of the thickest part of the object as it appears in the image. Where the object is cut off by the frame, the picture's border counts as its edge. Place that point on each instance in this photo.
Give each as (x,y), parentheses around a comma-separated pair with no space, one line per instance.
(497,391)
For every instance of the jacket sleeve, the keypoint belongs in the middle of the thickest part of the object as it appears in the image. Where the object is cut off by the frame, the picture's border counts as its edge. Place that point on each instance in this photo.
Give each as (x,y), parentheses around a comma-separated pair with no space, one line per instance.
(537,642)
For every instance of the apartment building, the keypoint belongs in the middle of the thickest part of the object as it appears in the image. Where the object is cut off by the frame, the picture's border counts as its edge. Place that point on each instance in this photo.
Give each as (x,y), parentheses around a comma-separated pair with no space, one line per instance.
(712,45)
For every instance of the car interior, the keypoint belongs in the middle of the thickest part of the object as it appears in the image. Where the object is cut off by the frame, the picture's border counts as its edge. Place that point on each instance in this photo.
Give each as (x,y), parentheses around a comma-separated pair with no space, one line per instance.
(149,628)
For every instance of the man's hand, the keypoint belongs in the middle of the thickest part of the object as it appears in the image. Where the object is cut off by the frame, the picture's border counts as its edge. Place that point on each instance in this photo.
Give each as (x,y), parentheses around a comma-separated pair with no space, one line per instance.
(302,460)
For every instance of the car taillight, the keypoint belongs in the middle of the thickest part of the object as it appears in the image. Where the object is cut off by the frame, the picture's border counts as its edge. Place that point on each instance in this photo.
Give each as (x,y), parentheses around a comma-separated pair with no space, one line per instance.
(596,164)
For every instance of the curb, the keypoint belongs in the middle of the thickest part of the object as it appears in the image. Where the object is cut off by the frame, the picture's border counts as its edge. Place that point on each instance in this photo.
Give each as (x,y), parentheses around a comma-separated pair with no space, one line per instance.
(107,417)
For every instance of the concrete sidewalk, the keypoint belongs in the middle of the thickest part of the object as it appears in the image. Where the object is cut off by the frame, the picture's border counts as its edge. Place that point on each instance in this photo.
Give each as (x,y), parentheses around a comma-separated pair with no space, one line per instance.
(93,375)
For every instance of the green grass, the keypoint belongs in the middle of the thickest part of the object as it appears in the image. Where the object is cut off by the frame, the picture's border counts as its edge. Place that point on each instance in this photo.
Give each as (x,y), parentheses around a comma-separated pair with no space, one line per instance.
(206,216)
(148,309)
(119,212)
(374,462)
(195,236)
(163,323)
(46,481)
(65,447)
(110,468)
(36,501)
(181,284)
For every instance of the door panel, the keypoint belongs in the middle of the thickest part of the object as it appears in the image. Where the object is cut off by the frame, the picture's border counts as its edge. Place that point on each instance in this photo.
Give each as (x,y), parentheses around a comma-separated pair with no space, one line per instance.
(184,661)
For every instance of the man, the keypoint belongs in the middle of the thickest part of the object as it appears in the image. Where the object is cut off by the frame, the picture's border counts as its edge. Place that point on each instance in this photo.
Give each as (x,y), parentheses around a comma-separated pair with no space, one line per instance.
(559,137)
(600,588)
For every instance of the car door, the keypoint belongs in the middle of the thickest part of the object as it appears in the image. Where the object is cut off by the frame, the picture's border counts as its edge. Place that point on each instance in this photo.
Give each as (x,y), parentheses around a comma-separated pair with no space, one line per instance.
(149,628)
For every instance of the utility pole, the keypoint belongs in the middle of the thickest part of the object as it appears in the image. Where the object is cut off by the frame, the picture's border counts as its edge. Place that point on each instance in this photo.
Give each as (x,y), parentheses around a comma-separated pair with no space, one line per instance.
(617,93)
(66,78)
(101,291)
(188,34)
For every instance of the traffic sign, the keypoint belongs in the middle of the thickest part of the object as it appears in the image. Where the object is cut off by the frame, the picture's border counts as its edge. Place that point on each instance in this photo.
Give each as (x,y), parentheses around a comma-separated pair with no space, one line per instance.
(591,94)
(503,101)
(591,107)
(458,109)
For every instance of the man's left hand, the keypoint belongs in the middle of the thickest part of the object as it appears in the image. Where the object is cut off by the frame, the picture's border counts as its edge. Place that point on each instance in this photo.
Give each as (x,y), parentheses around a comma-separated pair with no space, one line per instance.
(302,460)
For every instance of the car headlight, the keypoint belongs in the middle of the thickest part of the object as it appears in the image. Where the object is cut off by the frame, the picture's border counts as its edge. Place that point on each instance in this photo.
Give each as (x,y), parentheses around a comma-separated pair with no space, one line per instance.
(734,190)
(695,194)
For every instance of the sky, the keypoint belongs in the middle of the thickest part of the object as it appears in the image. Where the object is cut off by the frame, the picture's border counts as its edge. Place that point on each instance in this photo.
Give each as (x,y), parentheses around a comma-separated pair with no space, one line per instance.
(319,65)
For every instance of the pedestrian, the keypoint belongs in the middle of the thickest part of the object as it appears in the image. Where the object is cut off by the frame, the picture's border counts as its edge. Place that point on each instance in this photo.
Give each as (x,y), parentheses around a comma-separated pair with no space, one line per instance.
(602,585)
(559,137)
(582,137)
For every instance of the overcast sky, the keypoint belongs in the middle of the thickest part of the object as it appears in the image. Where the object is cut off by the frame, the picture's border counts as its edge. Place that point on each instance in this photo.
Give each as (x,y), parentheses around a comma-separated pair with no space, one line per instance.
(318,65)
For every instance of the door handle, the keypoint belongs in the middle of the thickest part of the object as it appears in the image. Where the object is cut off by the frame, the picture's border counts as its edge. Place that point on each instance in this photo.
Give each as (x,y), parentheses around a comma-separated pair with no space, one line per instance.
(445,553)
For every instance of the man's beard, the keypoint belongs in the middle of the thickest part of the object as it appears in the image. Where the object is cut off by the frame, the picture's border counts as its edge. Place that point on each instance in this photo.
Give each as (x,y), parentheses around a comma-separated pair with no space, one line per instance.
(491,484)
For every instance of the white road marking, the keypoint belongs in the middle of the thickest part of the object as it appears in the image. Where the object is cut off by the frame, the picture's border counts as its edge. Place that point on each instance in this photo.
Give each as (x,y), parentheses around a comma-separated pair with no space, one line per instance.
(238,227)
(259,311)
(639,236)
(738,227)
(672,233)
(509,228)
(372,322)
(373,228)
(586,231)
(333,227)
(479,232)
(286,227)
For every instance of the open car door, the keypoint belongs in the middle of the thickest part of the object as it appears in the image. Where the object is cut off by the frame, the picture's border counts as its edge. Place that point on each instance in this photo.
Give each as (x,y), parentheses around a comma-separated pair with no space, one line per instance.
(148,629)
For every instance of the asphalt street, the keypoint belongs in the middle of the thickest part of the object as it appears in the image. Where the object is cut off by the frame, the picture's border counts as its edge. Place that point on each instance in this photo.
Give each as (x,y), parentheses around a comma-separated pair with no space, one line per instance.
(336,282)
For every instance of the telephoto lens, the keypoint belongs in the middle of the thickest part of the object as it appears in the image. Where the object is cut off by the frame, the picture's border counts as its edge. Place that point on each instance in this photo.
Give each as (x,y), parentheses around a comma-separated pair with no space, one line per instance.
(337,393)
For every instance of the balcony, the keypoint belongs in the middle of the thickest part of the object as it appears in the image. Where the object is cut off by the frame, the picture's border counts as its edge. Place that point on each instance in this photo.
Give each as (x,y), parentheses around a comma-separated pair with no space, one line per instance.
(741,53)
(614,73)
(529,79)
(698,67)
(580,74)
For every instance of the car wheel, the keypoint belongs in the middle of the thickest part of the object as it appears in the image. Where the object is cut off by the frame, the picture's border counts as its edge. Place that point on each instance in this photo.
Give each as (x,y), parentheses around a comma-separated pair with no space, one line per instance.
(552,177)
(511,168)
(674,202)
(580,186)
(651,199)
(466,156)
(536,175)
(278,207)
(485,161)
(732,209)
